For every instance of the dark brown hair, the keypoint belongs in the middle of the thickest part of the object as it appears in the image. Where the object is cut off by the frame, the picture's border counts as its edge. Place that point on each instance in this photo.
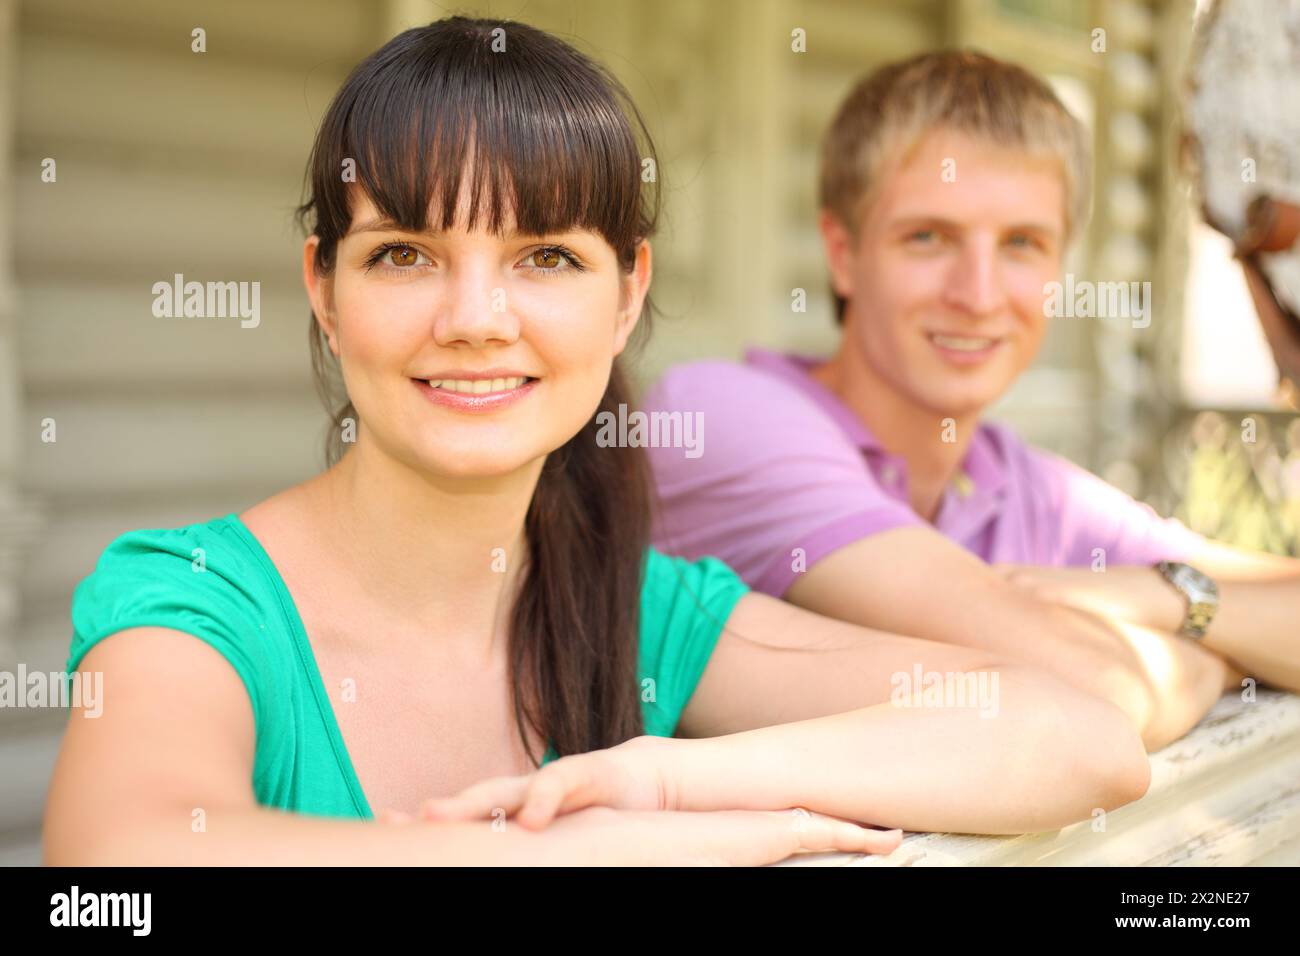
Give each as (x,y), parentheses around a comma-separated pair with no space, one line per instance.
(553,138)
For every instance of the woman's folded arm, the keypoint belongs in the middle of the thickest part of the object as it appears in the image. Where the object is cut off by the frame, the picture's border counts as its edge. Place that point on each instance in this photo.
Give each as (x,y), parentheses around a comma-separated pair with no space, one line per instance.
(896,731)
(175,735)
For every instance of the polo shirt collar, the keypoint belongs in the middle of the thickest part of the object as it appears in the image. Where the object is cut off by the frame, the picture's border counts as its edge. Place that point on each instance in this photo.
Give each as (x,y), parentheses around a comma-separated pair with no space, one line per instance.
(975,491)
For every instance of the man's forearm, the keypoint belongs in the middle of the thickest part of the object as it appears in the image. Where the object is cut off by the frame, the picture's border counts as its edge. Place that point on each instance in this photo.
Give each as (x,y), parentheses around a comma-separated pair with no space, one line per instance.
(1164,692)
(1165,683)
(1255,628)
(1187,681)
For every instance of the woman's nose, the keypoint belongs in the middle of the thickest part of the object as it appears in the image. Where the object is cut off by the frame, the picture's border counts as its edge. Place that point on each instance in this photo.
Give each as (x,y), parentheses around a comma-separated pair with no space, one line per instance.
(476,310)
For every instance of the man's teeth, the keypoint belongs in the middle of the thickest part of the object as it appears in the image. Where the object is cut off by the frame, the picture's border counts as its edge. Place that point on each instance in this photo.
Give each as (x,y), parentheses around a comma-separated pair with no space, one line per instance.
(961,343)
(479,386)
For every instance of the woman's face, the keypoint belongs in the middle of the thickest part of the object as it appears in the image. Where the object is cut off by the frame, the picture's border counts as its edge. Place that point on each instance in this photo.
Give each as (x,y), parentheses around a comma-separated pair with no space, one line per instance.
(468,354)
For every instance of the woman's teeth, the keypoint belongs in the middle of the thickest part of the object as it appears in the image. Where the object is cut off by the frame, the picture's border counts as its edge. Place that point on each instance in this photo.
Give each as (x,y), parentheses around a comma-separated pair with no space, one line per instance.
(962,343)
(478,386)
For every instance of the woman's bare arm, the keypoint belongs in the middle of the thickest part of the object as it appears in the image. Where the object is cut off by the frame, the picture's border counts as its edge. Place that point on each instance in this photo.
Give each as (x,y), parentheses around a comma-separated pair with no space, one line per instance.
(1025,752)
(802,712)
(176,735)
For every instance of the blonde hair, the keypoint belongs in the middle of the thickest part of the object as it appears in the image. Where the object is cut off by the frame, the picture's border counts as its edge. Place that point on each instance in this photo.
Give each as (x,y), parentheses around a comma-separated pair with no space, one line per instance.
(886,114)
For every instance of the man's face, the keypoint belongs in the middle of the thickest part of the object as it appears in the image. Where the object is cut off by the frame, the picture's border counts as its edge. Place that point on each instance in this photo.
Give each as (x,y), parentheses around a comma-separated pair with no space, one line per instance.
(945,277)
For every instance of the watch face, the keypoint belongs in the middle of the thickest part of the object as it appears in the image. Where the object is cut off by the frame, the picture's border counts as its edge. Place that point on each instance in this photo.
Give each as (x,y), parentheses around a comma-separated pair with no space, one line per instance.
(1200,587)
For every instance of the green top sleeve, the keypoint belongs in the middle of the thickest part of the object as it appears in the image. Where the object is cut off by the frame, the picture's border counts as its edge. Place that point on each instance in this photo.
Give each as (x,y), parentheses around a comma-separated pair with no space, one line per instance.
(202,580)
(684,607)
(188,579)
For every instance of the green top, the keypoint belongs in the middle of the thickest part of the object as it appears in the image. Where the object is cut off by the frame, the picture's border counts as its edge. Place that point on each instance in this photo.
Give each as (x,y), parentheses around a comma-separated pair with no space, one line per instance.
(213,580)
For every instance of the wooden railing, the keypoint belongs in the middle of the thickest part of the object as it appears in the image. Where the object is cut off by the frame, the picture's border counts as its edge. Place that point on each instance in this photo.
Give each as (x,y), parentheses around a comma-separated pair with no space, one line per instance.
(1226,794)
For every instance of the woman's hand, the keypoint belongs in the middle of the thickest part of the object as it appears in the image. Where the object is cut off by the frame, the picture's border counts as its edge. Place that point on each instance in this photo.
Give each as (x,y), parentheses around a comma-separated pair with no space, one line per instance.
(635,775)
(714,838)
(602,836)
(637,779)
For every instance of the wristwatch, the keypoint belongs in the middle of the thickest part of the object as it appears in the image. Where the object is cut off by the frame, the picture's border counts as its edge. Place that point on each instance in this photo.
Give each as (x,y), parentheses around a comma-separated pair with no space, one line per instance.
(1199,589)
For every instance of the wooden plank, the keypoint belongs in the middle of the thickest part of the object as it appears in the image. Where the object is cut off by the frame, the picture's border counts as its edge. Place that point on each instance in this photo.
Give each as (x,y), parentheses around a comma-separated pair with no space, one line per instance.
(329,31)
(860,32)
(210,113)
(138,222)
(28,762)
(142,444)
(79,529)
(69,328)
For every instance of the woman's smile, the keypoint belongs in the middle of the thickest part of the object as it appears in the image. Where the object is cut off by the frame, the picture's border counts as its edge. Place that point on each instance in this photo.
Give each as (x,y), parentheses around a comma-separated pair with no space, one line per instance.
(476,391)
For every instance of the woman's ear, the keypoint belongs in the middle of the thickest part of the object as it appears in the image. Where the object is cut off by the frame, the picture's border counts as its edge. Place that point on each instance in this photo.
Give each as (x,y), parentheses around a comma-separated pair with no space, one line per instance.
(635,286)
(320,292)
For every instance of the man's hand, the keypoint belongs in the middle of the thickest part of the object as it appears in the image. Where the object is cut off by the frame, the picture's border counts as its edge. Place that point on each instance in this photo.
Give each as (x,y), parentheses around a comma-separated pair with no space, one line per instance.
(1132,594)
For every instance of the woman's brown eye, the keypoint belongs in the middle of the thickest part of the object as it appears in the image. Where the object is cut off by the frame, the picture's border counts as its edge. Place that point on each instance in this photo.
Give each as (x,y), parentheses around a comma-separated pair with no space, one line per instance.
(546,258)
(404,256)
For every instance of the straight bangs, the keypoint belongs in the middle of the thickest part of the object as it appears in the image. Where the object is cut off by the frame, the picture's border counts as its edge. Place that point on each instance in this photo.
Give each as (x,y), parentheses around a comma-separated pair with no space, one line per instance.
(538,143)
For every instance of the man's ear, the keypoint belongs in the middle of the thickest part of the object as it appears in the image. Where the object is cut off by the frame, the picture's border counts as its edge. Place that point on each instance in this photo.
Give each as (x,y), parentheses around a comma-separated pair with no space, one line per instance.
(635,286)
(838,243)
(320,292)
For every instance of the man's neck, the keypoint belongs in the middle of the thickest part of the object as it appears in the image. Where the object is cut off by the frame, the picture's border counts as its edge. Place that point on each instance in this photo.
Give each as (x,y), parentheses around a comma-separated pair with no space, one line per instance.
(912,432)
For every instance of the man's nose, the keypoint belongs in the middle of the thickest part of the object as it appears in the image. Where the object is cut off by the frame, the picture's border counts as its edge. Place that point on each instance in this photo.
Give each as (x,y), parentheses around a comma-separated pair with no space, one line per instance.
(975,281)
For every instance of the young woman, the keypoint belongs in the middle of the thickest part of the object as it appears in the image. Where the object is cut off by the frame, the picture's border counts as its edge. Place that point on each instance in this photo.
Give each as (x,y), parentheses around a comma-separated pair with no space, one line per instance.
(467,593)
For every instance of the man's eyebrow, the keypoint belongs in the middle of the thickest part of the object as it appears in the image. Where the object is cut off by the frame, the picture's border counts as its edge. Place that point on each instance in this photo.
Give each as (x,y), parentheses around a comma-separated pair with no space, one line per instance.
(922,219)
(911,221)
(1046,229)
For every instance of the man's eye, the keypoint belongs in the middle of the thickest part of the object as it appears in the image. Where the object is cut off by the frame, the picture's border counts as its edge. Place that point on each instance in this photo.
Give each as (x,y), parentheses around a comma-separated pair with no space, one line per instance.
(921,235)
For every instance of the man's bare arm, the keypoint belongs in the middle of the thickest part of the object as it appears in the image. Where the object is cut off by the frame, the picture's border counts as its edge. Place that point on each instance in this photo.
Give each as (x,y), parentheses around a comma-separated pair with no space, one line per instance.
(915,581)
(1254,629)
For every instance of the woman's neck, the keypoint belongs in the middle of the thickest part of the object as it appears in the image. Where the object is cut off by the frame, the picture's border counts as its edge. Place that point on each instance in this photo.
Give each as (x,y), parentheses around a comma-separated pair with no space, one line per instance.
(445,555)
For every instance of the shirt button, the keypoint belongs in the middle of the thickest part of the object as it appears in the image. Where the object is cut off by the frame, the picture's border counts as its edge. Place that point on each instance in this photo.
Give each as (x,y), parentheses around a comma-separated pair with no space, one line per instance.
(889,474)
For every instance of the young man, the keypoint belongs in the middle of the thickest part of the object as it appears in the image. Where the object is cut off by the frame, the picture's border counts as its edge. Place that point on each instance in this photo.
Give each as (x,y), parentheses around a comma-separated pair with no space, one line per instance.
(866,486)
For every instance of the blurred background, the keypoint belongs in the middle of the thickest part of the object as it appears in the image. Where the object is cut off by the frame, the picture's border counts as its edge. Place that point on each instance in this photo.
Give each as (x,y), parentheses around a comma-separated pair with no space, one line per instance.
(171,161)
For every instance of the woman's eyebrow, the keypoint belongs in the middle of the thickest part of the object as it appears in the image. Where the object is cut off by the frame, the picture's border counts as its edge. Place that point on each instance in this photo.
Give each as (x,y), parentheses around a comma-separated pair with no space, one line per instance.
(380,224)
(384,224)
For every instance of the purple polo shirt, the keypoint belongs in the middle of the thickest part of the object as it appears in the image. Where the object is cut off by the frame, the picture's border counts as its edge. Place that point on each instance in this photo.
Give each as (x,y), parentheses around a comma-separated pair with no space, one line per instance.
(784,465)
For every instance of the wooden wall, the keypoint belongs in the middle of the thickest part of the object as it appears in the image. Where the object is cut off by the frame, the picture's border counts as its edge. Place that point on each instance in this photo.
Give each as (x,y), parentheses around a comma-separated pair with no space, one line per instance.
(173,161)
